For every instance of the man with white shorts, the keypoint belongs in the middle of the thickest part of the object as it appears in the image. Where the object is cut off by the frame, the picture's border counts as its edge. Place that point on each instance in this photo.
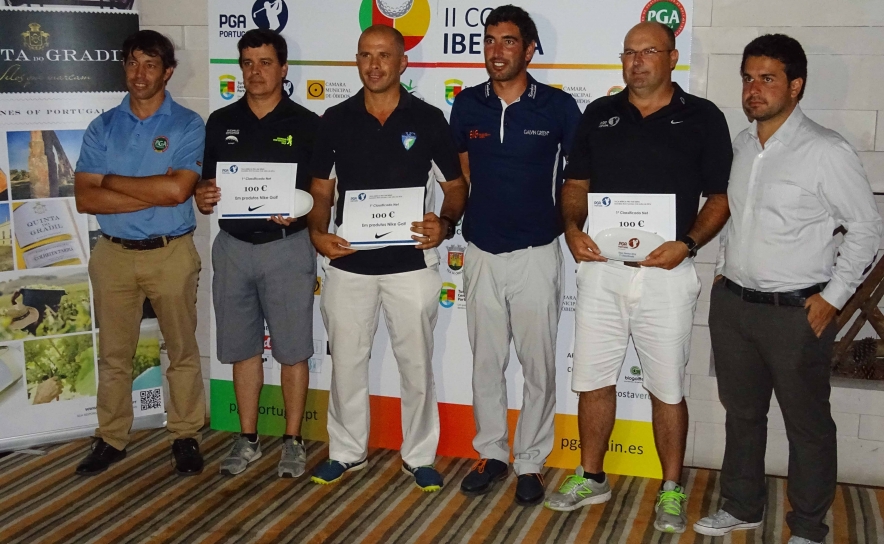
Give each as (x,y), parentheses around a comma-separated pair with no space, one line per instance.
(651,138)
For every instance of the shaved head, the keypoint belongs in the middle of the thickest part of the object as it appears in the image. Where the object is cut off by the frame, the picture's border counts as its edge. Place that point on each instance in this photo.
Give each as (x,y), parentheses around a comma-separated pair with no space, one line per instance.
(387,31)
(659,30)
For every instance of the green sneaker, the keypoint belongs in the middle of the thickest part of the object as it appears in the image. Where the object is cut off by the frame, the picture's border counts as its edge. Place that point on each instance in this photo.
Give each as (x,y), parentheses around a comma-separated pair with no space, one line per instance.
(578,491)
(671,502)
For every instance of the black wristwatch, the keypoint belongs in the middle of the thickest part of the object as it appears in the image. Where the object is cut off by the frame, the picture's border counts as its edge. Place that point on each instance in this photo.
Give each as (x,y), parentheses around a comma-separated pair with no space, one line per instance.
(449,234)
(692,245)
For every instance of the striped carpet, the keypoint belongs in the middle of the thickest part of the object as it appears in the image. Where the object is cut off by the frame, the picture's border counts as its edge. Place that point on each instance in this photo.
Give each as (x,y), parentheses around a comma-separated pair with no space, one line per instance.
(141,500)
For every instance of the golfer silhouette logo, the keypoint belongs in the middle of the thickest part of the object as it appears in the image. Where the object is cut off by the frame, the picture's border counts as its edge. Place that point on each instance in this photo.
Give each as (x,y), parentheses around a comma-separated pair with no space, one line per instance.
(271,14)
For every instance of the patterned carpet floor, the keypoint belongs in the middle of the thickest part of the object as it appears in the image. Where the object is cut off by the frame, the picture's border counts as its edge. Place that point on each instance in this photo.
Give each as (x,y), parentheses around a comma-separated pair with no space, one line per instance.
(142,500)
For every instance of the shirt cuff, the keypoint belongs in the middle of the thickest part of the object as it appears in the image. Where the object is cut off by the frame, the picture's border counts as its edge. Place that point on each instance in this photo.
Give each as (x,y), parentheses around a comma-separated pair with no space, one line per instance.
(836,293)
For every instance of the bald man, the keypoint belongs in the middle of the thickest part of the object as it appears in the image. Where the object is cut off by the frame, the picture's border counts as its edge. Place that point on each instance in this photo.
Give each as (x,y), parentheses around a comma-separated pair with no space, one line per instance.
(651,138)
(383,139)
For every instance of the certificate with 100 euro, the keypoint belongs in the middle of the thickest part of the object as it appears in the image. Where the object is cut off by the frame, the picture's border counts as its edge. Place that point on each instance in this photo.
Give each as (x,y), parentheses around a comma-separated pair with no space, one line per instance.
(381,217)
(250,190)
(628,226)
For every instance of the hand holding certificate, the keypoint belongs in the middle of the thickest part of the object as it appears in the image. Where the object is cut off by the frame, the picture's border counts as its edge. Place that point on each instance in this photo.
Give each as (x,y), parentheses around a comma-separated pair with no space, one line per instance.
(381,217)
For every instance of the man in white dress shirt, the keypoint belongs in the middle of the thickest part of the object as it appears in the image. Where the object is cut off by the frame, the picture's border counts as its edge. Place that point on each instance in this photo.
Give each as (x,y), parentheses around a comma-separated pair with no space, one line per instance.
(781,278)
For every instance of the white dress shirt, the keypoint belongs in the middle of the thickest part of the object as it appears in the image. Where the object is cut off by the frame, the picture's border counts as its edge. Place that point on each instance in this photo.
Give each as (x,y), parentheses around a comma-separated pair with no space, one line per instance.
(786,199)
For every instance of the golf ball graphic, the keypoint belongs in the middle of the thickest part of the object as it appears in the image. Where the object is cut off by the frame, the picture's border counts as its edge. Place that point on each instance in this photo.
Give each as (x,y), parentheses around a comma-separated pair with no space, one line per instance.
(394,8)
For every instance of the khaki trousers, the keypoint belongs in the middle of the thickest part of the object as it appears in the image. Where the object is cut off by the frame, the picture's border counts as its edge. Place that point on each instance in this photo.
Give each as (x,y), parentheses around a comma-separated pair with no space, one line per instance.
(121,280)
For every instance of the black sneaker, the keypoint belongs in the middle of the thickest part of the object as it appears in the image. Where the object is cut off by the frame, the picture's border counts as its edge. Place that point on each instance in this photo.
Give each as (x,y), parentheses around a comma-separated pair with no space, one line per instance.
(529,489)
(482,477)
(188,460)
(102,456)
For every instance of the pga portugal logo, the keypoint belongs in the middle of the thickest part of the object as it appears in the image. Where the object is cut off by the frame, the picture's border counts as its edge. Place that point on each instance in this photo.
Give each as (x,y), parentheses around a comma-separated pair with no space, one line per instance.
(669,12)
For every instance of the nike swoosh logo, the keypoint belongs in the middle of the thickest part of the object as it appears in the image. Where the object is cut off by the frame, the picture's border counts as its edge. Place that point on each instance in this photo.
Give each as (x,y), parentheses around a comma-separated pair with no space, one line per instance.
(251,209)
(376,236)
(674,122)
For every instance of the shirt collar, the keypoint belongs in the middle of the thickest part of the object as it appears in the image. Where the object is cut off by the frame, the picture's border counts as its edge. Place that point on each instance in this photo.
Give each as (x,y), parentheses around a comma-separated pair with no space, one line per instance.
(165,107)
(530,91)
(281,107)
(678,100)
(786,132)
(358,100)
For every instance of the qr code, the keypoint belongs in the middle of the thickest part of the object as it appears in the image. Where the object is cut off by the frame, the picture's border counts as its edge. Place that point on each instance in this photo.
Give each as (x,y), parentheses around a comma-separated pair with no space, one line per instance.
(151,399)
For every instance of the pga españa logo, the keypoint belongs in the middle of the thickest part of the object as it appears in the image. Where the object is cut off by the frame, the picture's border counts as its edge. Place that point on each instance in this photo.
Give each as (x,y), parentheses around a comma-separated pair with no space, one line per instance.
(410,17)
(669,12)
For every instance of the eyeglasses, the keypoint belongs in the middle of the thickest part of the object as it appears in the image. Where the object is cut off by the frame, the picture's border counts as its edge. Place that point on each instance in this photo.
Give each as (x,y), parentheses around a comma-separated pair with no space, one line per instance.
(629,53)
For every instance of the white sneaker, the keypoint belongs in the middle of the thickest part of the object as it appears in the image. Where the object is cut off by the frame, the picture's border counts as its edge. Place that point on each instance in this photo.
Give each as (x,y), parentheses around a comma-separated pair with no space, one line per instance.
(721,523)
(800,540)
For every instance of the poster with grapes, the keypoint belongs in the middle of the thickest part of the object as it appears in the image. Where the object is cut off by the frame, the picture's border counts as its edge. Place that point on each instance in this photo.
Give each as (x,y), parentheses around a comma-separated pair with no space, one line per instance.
(48,327)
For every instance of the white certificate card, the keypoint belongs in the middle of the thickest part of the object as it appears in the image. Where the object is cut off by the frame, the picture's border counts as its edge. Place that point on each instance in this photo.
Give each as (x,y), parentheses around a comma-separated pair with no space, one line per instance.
(250,190)
(647,212)
(381,217)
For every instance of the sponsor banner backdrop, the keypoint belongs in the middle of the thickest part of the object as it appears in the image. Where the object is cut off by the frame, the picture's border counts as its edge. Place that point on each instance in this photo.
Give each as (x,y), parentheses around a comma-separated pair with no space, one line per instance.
(60,67)
(578,52)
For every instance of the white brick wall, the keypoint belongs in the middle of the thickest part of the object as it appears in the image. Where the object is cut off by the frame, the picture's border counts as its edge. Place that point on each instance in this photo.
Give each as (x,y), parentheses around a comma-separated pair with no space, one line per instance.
(845,47)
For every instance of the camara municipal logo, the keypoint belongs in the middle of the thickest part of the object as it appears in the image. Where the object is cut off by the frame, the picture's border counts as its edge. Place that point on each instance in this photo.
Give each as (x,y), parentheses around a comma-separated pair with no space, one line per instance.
(669,12)
(410,17)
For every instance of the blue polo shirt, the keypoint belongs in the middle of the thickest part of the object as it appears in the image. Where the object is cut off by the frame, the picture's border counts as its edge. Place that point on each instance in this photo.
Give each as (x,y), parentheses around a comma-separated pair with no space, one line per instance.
(118,142)
(516,156)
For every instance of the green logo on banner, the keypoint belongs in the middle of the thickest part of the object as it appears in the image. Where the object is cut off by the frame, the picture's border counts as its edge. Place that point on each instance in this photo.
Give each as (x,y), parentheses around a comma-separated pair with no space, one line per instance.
(669,12)
(635,371)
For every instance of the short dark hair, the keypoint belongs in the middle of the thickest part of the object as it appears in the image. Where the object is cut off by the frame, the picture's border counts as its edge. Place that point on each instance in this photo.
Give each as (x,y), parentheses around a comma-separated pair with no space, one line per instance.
(517,16)
(784,49)
(152,44)
(258,37)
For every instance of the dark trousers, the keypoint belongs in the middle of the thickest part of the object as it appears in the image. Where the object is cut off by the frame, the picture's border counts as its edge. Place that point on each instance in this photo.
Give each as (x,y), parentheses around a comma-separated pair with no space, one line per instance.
(759,349)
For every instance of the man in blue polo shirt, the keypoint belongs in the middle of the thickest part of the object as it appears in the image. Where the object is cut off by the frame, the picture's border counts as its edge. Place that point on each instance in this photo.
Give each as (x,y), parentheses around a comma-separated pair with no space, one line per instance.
(512,134)
(138,165)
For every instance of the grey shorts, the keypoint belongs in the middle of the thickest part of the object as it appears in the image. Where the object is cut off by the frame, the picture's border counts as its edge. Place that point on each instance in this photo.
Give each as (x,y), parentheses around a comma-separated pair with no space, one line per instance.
(254,283)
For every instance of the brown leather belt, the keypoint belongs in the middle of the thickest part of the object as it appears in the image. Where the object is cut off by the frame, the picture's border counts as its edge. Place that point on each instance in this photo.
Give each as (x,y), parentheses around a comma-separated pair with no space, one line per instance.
(147,243)
(780,298)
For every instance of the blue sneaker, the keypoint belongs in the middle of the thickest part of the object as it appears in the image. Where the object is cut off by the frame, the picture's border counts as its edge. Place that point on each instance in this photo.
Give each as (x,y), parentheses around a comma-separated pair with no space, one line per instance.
(331,471)
(426,478)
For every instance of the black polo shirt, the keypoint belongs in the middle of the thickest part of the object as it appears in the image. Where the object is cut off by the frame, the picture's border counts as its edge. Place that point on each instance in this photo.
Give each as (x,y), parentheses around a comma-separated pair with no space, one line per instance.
(285,135)
(682,149)
(354,148)
(516,158)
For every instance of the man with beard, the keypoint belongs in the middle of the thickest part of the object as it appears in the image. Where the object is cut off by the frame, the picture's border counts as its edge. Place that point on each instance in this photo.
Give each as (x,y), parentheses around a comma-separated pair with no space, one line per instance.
(512,134)
(651,138)
(264,269)
(382,139)
(781,278)
(137,168)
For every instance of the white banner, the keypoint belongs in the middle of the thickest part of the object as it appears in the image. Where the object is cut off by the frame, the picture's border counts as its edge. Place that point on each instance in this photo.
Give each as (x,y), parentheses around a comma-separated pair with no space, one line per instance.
(578,52)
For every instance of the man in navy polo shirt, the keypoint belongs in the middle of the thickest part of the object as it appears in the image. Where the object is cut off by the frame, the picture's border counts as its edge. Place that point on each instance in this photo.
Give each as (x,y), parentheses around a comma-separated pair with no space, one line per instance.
(512,134)
(138,165)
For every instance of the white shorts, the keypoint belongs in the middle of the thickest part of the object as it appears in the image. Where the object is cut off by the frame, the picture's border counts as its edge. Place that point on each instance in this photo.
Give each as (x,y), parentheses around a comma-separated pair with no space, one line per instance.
(655,305)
